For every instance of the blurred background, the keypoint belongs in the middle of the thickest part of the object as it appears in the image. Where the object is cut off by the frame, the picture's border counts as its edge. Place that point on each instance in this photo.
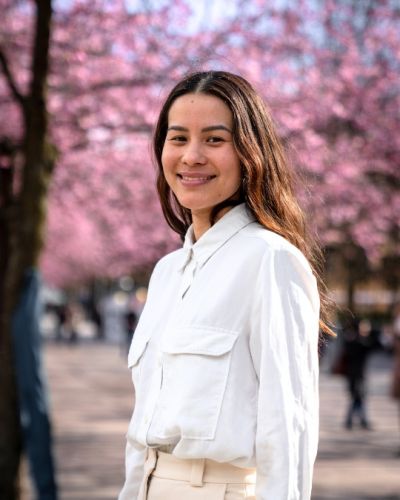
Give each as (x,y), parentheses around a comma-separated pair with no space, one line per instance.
(81,83)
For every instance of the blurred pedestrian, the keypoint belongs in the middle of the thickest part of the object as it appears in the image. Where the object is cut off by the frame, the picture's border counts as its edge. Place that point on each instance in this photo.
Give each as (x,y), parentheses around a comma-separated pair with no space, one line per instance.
(32,388)
(95,317)
(395,389)
(357,345)
(72,316)
(130,324)
(224,359)
(61,317)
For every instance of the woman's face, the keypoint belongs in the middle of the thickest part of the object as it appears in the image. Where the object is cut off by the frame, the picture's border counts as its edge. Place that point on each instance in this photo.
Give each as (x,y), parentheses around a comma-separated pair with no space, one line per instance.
(199,160)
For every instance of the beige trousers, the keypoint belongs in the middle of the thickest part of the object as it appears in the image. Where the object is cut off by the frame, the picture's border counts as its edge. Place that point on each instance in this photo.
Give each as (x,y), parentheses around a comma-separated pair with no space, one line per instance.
(169,478)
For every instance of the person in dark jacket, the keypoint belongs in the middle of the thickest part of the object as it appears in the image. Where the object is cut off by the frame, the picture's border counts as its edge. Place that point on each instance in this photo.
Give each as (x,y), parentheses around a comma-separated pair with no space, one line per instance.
(357,345)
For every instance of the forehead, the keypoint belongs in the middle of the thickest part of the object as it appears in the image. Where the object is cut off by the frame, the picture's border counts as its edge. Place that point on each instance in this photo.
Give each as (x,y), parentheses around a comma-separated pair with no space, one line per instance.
(199,107)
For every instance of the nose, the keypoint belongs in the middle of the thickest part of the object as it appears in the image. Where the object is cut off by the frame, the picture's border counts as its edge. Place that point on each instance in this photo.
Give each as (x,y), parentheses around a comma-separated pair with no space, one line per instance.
(193,154)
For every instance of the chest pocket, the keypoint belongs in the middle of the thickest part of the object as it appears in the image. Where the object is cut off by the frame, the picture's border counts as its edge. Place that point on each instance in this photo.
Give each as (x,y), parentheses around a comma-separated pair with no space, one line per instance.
(196,363)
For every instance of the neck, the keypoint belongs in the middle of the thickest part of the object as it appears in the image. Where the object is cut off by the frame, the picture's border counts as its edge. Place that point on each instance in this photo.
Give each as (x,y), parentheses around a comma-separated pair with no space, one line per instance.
(201,221)
(200,226)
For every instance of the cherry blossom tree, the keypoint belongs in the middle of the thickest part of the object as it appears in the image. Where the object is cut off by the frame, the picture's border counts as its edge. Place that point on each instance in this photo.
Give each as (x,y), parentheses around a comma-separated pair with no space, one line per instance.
(332,79)
(328,73)
(353,93)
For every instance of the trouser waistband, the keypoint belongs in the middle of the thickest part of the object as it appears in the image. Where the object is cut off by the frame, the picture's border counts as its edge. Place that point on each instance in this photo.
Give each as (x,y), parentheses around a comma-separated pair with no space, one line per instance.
(199,471)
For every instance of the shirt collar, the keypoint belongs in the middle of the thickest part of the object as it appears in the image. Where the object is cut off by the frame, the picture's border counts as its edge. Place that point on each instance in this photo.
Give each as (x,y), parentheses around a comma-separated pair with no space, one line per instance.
(218,234)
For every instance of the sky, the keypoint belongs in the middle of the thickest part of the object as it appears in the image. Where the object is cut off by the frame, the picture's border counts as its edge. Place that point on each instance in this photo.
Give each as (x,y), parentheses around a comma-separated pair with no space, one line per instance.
(205,12)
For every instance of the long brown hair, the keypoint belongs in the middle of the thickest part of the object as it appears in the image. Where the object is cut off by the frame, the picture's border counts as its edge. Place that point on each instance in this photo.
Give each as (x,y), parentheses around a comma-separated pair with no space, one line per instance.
(267,180)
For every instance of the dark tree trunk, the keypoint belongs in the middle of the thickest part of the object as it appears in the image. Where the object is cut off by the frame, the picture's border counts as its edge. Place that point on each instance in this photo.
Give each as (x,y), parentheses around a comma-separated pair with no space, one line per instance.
(351,286)
(22,220)
(356,266)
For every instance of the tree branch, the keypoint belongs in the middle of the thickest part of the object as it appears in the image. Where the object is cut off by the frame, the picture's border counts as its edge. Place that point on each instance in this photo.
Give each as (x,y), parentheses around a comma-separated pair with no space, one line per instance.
(12,84)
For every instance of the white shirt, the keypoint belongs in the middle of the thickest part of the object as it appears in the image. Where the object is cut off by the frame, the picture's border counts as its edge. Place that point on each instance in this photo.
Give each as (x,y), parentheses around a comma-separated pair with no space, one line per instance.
(224,360)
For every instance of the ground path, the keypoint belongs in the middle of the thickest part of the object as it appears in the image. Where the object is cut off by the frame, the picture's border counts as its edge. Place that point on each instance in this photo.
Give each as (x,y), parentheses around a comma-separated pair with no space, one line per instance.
(91,400)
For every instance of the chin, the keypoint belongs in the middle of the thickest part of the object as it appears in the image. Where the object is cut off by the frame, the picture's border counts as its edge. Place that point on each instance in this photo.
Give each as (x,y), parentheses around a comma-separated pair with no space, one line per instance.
(192,205)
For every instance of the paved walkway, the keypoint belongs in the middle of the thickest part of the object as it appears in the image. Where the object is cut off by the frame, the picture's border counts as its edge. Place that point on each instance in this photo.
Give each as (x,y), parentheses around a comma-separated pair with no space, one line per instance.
(91,399)
(359,464)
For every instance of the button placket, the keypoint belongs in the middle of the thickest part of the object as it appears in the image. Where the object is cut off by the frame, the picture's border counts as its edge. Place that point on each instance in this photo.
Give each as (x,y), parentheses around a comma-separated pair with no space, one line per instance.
(188,274)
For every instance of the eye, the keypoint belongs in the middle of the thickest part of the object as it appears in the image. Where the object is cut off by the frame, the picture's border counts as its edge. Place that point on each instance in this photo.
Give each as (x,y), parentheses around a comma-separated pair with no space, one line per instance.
(215,139)
(177,138)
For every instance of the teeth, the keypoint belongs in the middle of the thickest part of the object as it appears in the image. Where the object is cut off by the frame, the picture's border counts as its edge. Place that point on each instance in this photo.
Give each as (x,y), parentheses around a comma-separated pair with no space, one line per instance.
(196,178)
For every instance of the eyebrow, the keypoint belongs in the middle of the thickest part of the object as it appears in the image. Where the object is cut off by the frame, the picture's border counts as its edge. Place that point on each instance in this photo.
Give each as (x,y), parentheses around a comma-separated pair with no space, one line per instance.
(205,129)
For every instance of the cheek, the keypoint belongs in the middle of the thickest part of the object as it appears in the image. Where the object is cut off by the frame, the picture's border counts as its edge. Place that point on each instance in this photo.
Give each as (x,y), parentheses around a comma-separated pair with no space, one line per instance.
(236,173)
(239,176)
(166,161)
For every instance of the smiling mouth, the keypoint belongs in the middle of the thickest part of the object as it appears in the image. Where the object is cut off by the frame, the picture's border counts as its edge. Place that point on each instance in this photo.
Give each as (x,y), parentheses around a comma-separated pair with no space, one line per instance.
(196,178)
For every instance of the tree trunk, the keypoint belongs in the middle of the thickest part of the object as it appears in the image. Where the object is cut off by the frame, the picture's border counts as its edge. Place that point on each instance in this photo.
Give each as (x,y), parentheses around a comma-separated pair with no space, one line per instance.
(22,225)
(350,264)
(351,285)
(356,266)
(10,440)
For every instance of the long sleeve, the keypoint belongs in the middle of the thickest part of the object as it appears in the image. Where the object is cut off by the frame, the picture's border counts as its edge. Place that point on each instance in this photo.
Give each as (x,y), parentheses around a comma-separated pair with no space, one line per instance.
(284,342)
(135,455)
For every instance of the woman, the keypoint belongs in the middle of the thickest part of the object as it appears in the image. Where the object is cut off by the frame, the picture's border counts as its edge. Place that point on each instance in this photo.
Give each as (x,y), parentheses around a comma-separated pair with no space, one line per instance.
(225,357)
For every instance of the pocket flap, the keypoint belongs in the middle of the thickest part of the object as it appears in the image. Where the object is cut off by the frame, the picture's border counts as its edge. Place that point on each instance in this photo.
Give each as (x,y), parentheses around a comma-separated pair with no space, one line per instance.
(136,350)
(198,340)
